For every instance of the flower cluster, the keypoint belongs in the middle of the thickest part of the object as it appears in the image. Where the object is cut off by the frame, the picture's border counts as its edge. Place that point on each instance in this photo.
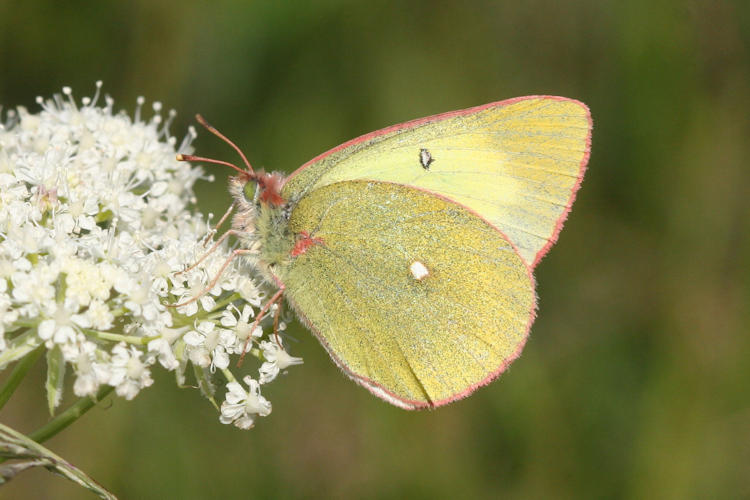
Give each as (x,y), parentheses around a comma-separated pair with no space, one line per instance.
(98,235)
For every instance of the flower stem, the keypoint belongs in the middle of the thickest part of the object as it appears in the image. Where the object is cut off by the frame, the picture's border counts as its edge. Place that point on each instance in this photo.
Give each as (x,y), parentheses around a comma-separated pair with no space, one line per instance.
(18,373)
(220,305)
(69,416)
(228,375)
(128,339)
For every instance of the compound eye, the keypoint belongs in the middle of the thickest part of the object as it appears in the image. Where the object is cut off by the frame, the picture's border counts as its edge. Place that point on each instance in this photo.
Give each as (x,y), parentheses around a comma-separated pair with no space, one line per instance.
(249,190)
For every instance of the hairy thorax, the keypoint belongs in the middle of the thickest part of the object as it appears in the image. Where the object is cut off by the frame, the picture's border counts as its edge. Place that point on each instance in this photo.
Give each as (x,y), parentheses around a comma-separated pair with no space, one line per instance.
(275,239)
(262,223)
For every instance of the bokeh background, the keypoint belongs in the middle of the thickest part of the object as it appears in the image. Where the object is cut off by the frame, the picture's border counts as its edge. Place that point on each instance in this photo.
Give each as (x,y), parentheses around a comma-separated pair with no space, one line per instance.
(634,383)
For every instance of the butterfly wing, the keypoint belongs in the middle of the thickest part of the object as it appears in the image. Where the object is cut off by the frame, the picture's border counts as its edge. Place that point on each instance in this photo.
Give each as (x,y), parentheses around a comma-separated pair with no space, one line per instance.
(415,297)
(518,163)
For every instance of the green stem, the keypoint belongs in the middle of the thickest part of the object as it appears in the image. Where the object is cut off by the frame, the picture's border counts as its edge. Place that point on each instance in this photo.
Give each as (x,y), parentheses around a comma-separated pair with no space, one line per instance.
(18,373)
(69,416)
(180,320)
(224,302)
(27,323)
(228,375)
(128,339)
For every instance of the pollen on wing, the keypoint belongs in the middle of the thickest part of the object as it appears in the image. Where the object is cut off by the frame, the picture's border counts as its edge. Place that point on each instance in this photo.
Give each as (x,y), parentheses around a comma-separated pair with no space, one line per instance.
(418,270)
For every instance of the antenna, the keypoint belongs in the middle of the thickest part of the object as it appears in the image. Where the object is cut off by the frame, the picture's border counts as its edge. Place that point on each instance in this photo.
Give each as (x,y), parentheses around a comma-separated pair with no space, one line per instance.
(182,157)
(221,136)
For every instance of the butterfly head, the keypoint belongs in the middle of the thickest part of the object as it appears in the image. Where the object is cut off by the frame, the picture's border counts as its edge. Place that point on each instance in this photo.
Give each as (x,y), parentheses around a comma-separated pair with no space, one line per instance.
(255,193)
(261,218)
(262,187)
(250,189)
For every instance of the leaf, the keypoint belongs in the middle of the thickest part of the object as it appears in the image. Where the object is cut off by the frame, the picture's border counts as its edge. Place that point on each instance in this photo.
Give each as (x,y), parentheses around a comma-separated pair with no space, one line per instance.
(203,377)
(19,347)
(179,373)
(28,453)
(55,378)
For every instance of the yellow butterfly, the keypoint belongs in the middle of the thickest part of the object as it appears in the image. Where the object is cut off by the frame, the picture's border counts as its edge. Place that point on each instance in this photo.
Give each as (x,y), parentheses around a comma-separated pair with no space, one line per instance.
(409,251)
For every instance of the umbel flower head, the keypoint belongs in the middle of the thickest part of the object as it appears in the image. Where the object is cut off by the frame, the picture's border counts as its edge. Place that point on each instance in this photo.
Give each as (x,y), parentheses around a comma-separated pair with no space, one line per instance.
(97,226)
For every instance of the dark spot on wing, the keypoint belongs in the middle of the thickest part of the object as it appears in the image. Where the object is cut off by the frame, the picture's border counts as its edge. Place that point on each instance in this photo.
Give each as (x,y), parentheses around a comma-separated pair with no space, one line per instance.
(425,158)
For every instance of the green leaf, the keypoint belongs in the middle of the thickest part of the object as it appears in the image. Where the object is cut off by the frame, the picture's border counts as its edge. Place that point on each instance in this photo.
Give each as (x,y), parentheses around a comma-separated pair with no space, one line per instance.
(17,375)
(55,378)
(27,454)
(203,377)
(19,347)
(179,373)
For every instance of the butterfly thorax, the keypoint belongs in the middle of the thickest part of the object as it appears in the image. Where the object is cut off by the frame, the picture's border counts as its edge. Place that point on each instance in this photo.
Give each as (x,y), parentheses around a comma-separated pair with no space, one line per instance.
(262,221)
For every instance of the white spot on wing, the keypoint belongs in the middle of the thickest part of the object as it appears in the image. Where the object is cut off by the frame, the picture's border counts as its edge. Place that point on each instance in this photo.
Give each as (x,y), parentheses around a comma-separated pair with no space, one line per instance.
(425,158)
(418,270)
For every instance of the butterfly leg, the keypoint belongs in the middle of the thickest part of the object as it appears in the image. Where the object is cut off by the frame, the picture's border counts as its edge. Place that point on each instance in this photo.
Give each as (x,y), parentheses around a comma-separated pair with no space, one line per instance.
(235,253)
(213,231)
(276,324)
(276,296)
(210,251)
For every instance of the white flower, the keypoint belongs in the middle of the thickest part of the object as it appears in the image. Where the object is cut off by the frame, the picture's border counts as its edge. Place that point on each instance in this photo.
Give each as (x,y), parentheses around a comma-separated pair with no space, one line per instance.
(163,269)
(91,368)
(248,290)
(277,359)
(197,283)
(140,298)
(36,286)
(99,315)
(61,326)
(162,348)
(96,223)
(79,214)
(240,326)
(240,408)
(207,345)
(128,373)
(84,281)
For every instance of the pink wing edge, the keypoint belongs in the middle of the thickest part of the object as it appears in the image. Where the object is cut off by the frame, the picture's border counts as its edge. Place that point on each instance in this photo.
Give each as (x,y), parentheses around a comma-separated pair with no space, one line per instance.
(581,172)
(388,396)
(375,388)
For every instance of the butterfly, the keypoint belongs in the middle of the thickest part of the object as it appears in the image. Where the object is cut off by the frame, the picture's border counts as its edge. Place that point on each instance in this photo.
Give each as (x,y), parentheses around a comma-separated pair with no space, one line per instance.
(409,251)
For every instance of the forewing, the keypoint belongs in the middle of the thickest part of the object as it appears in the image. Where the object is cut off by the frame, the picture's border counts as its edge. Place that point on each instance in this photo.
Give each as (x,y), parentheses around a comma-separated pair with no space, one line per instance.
(518,163)
(413,342)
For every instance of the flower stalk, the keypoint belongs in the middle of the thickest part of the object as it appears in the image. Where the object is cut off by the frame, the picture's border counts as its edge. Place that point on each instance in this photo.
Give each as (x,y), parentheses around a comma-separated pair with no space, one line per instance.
(67,417)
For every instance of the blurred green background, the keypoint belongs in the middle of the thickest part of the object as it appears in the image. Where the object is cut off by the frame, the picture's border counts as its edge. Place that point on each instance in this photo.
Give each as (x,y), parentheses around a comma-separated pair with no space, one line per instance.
(634,383)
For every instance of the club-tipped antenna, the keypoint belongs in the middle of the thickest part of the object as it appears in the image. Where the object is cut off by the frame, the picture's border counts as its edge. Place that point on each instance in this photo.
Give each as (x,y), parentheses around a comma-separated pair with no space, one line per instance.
(181,157)
(221,136)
